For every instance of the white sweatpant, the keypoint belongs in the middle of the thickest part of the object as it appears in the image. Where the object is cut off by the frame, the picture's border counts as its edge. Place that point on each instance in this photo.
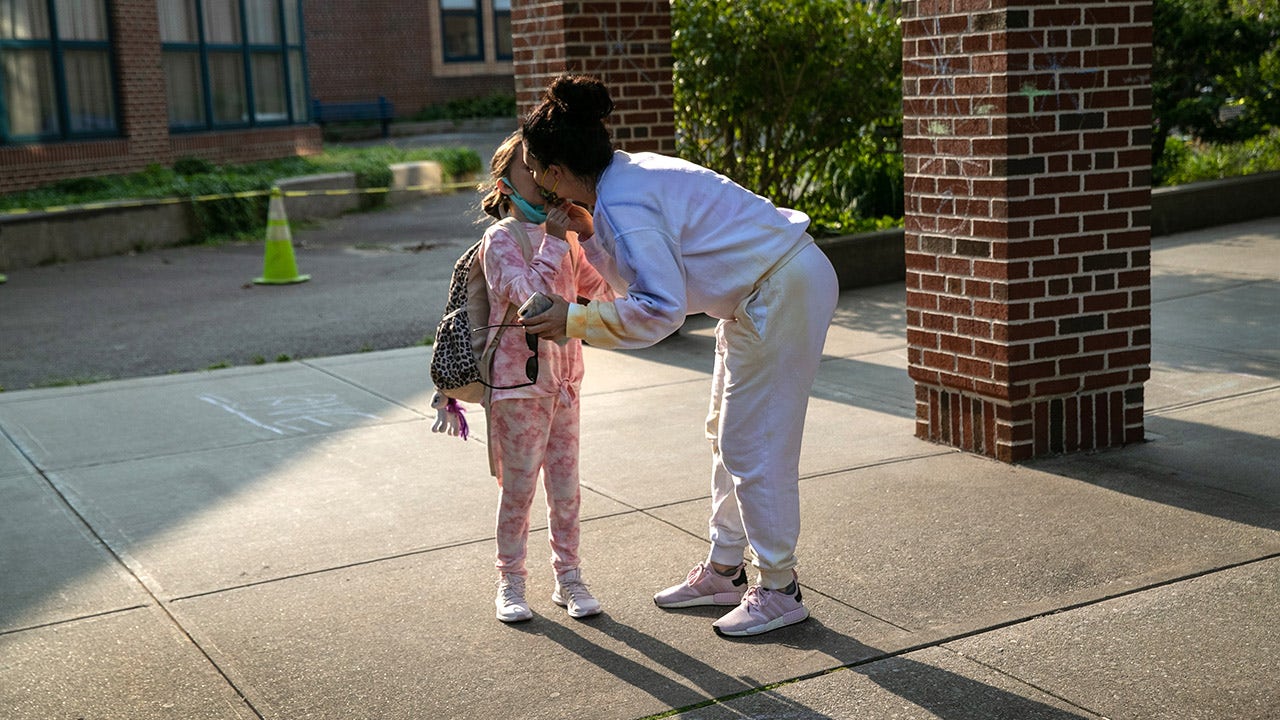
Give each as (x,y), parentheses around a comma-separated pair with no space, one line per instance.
(766,360)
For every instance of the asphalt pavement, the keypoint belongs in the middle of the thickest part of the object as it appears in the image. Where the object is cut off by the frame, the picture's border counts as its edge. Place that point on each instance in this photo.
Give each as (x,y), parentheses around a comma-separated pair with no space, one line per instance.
(379,281)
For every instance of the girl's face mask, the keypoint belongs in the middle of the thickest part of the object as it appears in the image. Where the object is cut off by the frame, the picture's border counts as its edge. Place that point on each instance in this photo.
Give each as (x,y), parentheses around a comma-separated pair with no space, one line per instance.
(536,214)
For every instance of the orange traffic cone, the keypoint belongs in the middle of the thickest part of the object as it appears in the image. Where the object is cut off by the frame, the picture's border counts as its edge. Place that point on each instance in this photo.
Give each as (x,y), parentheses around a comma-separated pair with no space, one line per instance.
(278,264)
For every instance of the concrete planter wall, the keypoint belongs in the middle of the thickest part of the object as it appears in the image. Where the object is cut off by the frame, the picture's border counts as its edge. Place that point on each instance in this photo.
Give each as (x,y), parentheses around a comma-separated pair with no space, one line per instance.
(43,238)
(865,259)
(1214,202)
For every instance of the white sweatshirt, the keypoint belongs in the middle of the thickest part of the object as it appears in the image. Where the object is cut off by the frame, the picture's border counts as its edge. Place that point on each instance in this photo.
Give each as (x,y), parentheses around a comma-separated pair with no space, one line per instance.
(675,239)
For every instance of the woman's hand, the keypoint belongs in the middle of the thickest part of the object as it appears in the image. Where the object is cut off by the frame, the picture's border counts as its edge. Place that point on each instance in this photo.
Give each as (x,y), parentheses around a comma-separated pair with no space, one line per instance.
(549,325)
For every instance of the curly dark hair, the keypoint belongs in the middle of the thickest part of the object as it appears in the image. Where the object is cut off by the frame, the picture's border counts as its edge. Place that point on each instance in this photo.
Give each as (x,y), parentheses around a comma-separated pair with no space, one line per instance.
(567,128)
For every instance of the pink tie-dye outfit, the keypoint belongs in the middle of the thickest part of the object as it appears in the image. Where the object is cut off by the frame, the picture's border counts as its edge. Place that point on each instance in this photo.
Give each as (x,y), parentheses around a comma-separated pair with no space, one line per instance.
(536,428)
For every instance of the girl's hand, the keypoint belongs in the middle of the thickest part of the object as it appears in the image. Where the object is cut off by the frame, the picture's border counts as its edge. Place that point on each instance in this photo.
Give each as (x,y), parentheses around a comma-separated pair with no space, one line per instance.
(574,218)
(551,324)
(557,223)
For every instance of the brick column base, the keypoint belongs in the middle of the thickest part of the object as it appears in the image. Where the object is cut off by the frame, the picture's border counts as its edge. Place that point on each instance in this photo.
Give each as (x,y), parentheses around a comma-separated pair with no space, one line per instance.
(1010,433)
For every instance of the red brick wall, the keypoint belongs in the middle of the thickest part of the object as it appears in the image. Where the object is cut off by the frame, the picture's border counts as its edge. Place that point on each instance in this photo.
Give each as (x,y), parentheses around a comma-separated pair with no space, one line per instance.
(1027,163)
(627,44)
(361,49)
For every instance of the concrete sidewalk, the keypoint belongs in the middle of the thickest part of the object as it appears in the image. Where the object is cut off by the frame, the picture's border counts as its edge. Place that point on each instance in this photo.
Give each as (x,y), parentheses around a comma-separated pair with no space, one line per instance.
(291,541)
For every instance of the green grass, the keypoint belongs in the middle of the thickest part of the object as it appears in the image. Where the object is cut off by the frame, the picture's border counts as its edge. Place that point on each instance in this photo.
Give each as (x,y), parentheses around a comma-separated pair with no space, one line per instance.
(72,381)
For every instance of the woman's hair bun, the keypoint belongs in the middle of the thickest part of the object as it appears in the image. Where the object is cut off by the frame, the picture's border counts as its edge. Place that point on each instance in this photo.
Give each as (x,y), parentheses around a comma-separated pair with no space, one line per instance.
(581,97)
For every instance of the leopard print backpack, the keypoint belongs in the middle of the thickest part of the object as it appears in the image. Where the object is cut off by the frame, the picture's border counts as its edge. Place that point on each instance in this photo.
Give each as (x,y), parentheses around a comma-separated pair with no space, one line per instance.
(462,360)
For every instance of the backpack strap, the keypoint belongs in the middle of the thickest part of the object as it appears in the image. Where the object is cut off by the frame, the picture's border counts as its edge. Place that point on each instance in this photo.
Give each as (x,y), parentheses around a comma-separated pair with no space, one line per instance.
(516,229)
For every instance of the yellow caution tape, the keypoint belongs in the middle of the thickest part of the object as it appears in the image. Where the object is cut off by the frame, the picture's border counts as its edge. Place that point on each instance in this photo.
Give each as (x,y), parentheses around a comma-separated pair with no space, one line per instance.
(143,202)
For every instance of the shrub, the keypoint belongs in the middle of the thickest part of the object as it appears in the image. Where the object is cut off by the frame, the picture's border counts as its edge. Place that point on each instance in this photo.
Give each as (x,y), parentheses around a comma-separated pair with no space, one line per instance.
(1209,56)
(799,101)
(192,166)
(490,106)
(1189,160)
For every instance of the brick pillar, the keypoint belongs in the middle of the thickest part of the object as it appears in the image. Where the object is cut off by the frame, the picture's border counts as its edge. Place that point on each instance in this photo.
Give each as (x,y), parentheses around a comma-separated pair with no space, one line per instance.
(1028,191)
(625,44)
(144,109)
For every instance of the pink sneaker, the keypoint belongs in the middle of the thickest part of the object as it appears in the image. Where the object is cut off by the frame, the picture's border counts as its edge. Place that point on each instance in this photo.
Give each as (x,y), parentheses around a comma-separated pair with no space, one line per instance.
(704,586)
(762,610)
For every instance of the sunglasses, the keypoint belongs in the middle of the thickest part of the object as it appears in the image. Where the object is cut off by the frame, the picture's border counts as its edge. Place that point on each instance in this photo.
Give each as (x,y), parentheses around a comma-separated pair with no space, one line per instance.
(531,340)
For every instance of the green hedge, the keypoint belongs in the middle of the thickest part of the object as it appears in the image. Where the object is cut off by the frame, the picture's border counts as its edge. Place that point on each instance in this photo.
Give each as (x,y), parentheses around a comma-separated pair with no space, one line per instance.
(799,101)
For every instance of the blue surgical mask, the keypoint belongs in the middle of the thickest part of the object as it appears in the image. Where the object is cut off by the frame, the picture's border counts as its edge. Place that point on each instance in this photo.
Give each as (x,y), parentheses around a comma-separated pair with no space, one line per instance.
(533,213)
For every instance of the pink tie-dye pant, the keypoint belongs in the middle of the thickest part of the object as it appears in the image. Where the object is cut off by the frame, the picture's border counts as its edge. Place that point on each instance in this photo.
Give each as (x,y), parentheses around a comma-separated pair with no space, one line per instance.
(535,434)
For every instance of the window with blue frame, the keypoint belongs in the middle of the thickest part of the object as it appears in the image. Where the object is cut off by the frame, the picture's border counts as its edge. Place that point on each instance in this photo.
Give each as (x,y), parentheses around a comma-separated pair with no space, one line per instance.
(232,63)
(502,29)
(462,30)
(56,76)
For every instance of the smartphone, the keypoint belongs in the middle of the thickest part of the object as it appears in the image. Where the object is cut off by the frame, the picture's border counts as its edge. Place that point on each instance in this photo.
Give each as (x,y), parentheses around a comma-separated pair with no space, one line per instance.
(535,305)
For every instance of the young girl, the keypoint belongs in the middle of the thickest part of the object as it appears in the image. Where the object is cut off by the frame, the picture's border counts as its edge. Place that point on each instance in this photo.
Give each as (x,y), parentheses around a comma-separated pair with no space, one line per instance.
(534,428)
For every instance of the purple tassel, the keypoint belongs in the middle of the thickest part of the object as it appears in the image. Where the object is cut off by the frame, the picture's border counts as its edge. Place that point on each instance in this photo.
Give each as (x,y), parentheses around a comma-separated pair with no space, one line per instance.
(458,410)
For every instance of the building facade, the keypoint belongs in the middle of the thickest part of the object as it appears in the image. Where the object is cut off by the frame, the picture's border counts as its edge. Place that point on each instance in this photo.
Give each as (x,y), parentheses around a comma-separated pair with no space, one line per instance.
(100,87)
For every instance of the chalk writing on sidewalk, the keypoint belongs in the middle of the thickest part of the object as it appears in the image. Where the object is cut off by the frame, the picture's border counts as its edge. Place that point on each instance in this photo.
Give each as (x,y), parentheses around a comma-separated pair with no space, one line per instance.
(290,414)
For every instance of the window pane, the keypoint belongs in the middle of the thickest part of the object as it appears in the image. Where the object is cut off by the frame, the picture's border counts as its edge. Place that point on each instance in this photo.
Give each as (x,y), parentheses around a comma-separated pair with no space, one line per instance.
(292,24)
(90,104)
(178,21)
(222,21)
(263,21)
(184,89)
(458,4)
(502,5)
(268,88)
(28,85)
(502,34)
(297,86)
(226,80)
(461,38)
(24,20)
(81,19)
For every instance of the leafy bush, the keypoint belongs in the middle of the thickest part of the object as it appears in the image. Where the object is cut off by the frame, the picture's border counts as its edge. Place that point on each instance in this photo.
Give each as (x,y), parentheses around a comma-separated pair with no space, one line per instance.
(192,166)
(234,217)
(1189,160)
(799,101)
(1215,72)
(491,106)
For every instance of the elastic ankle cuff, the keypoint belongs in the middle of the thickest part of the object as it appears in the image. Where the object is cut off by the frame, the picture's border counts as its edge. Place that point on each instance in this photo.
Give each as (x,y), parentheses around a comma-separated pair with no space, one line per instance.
(726,556)
(776,580)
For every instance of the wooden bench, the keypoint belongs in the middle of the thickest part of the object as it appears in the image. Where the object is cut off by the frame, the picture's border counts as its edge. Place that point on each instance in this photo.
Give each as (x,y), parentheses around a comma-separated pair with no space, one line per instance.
(335,112)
